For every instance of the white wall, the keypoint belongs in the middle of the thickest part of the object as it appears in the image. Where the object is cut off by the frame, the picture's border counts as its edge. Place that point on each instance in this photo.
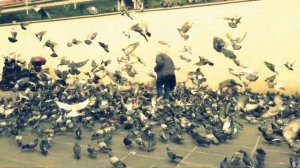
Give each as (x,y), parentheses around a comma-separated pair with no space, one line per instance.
(272,26)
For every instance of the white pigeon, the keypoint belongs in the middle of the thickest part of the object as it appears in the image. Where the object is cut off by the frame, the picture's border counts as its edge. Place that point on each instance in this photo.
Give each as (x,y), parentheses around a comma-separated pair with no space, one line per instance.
(6,112)
(74,108)
(273,111)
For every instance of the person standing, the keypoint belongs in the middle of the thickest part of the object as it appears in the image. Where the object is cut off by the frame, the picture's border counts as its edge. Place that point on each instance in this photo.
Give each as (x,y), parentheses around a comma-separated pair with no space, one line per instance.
(166,79)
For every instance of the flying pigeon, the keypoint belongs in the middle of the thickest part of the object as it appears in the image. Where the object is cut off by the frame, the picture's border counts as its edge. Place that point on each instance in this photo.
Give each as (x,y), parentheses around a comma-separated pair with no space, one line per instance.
(23,25)
(142,29)
(124,10)
(271,67)
(13,37)
(40,34)
(289,66)
(270,79)
(234,21)
(184,29)
(130,48)
(104,46)
(74,108)
(204,61)
(164,43)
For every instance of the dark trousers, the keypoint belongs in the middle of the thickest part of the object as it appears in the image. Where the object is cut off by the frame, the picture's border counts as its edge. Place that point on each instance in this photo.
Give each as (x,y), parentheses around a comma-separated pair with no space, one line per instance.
(165,85)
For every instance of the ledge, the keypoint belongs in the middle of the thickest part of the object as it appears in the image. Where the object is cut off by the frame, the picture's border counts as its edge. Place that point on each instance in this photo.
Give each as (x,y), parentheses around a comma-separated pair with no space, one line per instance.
(137,11)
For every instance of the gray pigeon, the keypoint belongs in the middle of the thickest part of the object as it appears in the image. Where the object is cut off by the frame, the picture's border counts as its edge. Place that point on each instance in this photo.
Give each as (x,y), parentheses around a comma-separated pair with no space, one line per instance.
(173,156)
(271,67)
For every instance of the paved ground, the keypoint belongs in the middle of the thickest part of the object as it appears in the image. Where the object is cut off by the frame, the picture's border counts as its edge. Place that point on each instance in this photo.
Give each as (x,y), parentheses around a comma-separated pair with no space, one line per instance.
(61,155)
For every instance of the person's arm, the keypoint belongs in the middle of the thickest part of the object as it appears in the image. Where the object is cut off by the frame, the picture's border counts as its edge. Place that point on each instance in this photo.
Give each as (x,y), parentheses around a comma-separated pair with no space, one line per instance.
(159,63)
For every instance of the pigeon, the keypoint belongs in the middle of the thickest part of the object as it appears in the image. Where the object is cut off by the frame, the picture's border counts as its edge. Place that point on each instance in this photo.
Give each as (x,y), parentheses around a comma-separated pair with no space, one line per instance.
(116,162)
(40,34)
(88,41)
(204,61)
(234,21)
(69,44)
(23,25)
(219,44)
(246,159)
(130,48)
(92,151)
(260,158)
(225,163)
(289,66)
(73,64)
(76,42)
(13,37)
(252,77)
(105,63)
(294,161)
(126,34)
(273,111)
(163,137)
(78,132)
(124,10)
(104,46)
(173,156)
(184,29)
(187,49)
(94,35)
(44,146)
(164,43)
(271,67)
(50,44)
(270,79)
(20,83)
(74,108)
(18,139)
(30,146)
(271,139)
(229,54)
(236,158)
(92,10)
(235,41)
(126,141)
(228,83)
(142,29)
(103,147)
(77,150)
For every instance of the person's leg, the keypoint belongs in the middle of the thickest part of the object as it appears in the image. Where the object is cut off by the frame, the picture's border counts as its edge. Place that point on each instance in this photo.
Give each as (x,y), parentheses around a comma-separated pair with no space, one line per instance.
(159,89)
(167,90)
(169,85)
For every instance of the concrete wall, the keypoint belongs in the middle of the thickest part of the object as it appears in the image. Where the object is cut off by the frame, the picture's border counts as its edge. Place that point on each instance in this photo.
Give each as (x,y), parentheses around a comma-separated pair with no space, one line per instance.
(272,26)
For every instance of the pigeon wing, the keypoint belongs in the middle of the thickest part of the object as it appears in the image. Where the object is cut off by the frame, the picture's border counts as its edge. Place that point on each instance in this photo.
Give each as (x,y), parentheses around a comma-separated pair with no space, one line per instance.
(80,64)
(82,105)
(94,35)
(64,106)
(131,48)
(270,79)
(186,27)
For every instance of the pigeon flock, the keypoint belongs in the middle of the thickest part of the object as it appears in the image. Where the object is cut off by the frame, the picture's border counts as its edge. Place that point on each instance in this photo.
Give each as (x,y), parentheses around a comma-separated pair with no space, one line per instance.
(54,107)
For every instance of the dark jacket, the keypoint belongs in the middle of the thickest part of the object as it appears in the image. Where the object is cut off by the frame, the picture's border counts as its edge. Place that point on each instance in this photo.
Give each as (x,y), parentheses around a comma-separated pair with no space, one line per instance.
(164,66)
